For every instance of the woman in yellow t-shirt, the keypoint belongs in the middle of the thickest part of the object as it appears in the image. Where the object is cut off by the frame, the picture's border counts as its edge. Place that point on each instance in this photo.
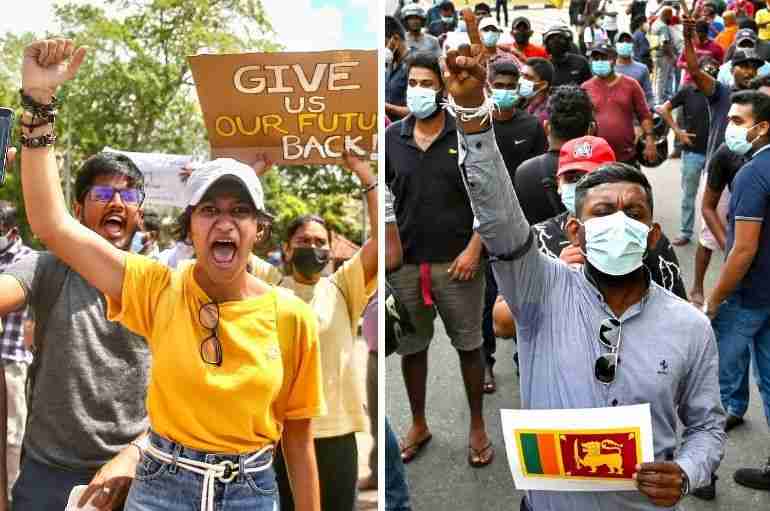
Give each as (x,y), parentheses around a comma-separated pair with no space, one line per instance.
(235,362)
(338,301)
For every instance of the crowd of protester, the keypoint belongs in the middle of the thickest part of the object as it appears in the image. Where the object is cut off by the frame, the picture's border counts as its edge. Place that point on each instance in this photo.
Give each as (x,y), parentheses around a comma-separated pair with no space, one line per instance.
(195,377)
(517,165)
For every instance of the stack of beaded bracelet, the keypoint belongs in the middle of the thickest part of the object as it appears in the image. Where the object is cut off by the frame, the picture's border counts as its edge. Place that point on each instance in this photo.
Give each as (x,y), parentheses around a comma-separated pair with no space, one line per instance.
(42,115)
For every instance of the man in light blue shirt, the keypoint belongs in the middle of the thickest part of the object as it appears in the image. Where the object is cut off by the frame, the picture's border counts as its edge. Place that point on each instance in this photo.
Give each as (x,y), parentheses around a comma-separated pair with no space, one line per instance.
(663,352)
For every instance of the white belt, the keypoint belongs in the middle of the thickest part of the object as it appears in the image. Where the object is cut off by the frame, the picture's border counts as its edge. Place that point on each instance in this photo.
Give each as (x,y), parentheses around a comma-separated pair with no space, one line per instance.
(224,471)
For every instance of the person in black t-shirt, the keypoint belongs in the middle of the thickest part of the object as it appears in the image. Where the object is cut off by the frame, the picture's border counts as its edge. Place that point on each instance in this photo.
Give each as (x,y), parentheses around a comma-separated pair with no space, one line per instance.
(519,136)
(568,66)
(571,116)
(693,135)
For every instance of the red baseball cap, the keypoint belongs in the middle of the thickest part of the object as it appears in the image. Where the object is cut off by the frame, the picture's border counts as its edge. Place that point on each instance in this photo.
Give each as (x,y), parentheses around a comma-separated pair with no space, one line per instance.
(585,154)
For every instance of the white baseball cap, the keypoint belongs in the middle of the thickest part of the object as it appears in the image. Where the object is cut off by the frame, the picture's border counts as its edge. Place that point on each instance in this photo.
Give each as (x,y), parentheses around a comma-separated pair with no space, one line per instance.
(488,22)
(205,176)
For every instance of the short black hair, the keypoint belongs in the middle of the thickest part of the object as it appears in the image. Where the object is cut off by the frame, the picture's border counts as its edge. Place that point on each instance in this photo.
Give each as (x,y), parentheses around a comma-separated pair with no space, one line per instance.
(482,6)
(760,104)
(504,68)
(301,220)
(637,22)
(615,172)
(570,112)
(747,23)
(106,164)
(393,27)
(9,216)
(543,68)
(425,60)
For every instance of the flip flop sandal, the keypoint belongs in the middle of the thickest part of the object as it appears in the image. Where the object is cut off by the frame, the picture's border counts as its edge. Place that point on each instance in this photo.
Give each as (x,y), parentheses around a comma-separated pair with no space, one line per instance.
(490,386)
(410,452)
(479,460)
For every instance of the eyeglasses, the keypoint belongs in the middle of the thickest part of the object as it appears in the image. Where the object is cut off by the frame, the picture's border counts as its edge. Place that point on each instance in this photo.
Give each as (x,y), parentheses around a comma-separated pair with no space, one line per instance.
(610,337)
(211,347)
(106,193)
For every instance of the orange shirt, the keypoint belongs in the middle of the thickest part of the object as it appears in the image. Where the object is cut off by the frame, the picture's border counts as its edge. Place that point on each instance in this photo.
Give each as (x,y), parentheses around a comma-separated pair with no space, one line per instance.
(726,37)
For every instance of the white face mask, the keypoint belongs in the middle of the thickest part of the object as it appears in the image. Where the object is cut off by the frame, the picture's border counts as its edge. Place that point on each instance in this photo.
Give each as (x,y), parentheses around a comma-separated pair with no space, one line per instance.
(5,241)
(388,56)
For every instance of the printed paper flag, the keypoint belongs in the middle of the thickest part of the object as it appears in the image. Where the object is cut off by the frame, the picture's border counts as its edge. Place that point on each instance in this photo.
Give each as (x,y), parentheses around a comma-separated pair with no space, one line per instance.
(592,449)
(600,454)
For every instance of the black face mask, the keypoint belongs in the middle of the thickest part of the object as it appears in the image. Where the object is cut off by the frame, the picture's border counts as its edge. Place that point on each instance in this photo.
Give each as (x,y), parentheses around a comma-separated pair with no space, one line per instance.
(521,38)
(309,261)
(557,47)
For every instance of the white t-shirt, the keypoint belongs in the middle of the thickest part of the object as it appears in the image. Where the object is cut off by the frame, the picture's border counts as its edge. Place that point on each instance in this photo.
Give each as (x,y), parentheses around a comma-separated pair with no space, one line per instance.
(610,18)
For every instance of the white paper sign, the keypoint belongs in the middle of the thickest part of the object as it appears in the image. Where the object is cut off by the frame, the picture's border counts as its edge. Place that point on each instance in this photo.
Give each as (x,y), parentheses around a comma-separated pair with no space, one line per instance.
(588,449)
(162,184)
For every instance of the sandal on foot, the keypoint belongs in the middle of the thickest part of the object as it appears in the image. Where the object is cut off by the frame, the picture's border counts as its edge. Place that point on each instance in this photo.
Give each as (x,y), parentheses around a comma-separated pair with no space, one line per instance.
(476,457)
(410,452)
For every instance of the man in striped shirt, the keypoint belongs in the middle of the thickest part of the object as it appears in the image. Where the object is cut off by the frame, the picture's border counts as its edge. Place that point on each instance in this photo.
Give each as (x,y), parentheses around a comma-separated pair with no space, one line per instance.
(16,357)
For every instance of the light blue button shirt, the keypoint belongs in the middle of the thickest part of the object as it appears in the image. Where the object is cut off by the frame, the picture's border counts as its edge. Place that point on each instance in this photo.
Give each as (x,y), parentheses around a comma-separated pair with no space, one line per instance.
(668,353)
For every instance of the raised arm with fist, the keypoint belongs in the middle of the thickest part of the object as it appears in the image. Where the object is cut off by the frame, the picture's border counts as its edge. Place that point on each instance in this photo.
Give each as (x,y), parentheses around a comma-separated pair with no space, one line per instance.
(48,64)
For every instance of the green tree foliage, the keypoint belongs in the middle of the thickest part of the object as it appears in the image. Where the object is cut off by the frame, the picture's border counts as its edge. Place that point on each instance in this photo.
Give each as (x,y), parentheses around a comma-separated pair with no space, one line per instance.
(135,92)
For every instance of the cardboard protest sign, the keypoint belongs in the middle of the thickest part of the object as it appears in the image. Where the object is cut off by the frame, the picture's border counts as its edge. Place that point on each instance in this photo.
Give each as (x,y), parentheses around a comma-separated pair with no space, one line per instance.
(162,184)
(566,450)
(299,108)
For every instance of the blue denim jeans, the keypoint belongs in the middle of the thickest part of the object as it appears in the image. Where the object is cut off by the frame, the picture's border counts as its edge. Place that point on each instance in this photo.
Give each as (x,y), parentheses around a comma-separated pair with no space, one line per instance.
(169,487)
(740,331)
(41,487)
(692,166)
(396,489)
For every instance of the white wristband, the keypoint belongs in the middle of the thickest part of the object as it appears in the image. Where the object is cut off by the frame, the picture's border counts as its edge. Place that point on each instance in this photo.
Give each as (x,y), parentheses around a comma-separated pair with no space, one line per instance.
(465,114)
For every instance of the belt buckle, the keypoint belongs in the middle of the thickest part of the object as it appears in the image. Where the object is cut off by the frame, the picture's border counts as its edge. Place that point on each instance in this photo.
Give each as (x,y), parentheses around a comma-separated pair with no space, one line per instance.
(230,471)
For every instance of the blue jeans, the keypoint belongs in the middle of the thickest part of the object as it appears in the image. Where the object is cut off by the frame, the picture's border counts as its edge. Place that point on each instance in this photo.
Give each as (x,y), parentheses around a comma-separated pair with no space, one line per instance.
(41,487)
(165,486)
(692,166)
(396,489)
(739,331)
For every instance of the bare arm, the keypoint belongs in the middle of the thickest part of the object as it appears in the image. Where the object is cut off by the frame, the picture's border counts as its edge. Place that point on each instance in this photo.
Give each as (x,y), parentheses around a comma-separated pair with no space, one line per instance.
(705,82)
(738,262)
(394,253)
(396,111)
(665,112)
(48,64)
(12,296)
(711,217)
(369,251)
(299,453)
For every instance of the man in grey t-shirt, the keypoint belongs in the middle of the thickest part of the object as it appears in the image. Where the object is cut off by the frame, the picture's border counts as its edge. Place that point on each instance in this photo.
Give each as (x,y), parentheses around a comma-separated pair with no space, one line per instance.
(90,375)
(413,17)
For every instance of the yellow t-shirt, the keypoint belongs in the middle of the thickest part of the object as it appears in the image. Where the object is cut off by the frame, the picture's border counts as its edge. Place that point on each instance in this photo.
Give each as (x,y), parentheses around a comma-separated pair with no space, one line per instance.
(339,301)
(270,368)
(763,16)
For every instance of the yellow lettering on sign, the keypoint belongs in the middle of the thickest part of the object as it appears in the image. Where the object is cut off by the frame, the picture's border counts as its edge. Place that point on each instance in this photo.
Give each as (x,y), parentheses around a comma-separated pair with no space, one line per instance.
(225,126)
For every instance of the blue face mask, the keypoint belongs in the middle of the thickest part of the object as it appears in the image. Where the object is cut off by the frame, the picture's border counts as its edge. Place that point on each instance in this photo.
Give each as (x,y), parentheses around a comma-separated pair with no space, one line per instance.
(735,138)
(526,88)
(625,49)
(461,26)
(504,98)
(447,19)
(567,192)
(601,67)
(615,244)
(489,38)
(421,101)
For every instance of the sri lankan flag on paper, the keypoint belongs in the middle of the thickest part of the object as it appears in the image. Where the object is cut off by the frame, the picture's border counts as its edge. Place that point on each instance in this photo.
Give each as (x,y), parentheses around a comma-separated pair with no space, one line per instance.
(579,454)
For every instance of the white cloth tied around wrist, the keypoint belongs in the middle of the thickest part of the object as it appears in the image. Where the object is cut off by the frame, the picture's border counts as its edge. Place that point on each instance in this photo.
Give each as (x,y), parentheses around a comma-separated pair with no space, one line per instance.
(466,114)
(224,471)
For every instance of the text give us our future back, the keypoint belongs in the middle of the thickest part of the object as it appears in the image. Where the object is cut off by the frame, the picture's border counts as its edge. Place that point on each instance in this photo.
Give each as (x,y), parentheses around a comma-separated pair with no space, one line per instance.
(311,110)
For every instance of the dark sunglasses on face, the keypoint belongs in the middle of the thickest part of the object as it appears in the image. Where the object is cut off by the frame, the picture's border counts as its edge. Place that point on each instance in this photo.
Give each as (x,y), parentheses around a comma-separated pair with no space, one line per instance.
(610,337)
(106,193)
